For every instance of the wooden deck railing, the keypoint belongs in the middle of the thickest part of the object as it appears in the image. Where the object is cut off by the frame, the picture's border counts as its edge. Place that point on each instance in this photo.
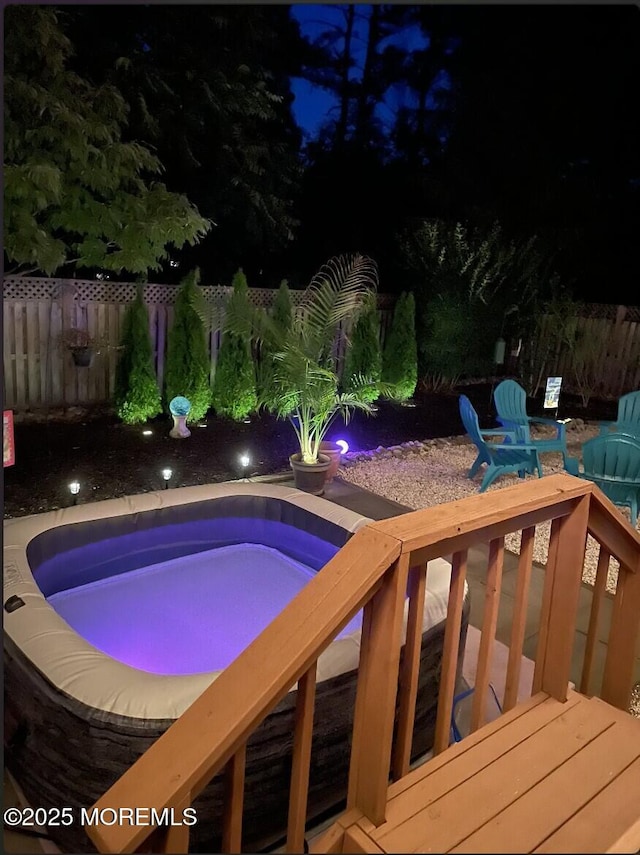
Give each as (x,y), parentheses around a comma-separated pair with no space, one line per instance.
(374,570)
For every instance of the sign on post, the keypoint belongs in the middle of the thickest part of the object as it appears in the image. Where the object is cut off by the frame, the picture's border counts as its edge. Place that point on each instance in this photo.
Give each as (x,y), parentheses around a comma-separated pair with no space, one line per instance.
(552,393)
(8,447)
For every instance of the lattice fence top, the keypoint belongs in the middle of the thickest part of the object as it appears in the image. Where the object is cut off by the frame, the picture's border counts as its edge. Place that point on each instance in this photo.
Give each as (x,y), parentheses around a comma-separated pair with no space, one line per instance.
(108,291)
(101,291)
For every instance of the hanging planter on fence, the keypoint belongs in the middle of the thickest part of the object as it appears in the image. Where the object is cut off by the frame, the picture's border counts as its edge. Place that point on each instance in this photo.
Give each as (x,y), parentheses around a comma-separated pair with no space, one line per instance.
(80,343)
(82,356)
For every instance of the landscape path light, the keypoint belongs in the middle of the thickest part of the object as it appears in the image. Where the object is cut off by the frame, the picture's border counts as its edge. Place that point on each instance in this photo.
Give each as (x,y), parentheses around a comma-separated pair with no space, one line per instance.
(74,489)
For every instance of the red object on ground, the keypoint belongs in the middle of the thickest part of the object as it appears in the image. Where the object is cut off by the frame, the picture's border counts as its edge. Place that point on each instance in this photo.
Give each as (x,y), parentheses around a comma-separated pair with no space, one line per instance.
(8,446)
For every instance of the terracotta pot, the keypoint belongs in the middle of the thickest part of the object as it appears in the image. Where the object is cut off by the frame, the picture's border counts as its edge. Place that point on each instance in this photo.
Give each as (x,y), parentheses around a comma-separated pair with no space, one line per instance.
(310,477)
(334,452)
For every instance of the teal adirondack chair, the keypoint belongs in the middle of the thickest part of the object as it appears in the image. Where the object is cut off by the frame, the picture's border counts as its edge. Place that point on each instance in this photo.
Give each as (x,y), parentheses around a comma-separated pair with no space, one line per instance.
(613,463)
(511,407)
(628,420)
(500,457)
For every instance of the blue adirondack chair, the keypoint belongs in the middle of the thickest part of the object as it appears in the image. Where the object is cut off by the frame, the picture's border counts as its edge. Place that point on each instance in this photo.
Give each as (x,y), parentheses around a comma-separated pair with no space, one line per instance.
(628,420)
(613,463)
(511,407)
(500,457)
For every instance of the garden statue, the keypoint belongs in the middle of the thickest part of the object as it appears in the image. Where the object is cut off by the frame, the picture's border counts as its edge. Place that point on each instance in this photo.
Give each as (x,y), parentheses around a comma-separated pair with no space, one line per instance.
(179,408)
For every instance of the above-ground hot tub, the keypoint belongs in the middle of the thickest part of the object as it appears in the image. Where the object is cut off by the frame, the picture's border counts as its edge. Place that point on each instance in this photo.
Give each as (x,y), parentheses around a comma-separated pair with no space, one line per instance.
(118,614)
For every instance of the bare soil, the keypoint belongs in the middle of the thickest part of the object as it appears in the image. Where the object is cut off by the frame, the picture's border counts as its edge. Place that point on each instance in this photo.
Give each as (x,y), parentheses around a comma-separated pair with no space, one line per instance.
(111,459)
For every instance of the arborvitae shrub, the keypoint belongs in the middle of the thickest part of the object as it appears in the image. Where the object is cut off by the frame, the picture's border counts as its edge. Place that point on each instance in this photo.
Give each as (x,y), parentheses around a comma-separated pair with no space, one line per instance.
(282,309)
(400,355)
(188,361)
(282,314)
(234,384)
(364,356)
(137,396)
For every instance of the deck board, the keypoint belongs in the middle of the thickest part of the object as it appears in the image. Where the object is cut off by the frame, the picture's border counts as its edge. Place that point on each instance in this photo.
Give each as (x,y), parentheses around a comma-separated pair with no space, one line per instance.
(608,823)
(465,762)
(543,782)
(579,780)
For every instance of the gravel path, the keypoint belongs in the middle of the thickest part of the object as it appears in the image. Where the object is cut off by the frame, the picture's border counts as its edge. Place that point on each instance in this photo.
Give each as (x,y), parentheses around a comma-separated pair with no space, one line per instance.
(432,472)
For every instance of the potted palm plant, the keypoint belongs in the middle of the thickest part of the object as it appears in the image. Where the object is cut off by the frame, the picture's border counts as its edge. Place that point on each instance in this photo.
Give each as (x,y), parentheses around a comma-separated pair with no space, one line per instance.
(304,386)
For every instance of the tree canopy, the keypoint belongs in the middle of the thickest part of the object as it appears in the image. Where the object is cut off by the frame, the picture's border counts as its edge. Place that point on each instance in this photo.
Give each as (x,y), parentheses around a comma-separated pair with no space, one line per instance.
(208,88)
(75,193)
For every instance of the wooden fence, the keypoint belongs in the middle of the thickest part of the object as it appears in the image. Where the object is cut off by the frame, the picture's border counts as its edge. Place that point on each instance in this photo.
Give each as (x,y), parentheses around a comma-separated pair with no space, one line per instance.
(39,371)
(612,347)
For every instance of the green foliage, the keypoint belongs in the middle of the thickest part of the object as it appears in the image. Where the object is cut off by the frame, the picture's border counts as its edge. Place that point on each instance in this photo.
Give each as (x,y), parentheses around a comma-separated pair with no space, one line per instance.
(553,331)
(400,355)
(234,384)
(458,339)
(364,355)
(212,98)
(305,380)
(188,362)
(282,309)
(137,397)
(588,357)
(282,314)
(74,192)
(472,285)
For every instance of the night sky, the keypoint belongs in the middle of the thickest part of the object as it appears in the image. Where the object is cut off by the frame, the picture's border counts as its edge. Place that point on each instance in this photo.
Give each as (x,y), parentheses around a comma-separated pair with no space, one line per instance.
(313,104)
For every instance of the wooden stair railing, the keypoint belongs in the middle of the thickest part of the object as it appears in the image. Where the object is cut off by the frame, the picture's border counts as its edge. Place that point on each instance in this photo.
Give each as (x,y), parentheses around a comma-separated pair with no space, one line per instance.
(619,541)
(374,570)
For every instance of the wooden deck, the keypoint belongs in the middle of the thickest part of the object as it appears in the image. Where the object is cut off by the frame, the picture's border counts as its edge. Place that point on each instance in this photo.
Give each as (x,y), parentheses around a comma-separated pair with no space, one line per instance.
(546,777)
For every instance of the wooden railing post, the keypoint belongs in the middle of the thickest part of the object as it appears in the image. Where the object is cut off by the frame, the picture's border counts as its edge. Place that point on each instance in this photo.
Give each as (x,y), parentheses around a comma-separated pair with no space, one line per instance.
(302,740)
(623,637)
(234,801)
(409,674)
(516,643)
(599,590)
(560,602)
(450,653)
(487,637)
(376,694)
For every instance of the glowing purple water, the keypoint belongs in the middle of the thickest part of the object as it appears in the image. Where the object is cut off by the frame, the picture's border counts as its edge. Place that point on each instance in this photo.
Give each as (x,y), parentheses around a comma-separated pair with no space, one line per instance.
(188,615)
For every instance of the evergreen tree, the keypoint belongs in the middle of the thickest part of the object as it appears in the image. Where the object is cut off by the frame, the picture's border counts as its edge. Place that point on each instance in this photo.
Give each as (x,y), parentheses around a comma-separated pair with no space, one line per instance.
(364,356)
(400,355)
(74,191)
(137,397)
(234,384)
(282,309)
(188,361)
(282,314)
